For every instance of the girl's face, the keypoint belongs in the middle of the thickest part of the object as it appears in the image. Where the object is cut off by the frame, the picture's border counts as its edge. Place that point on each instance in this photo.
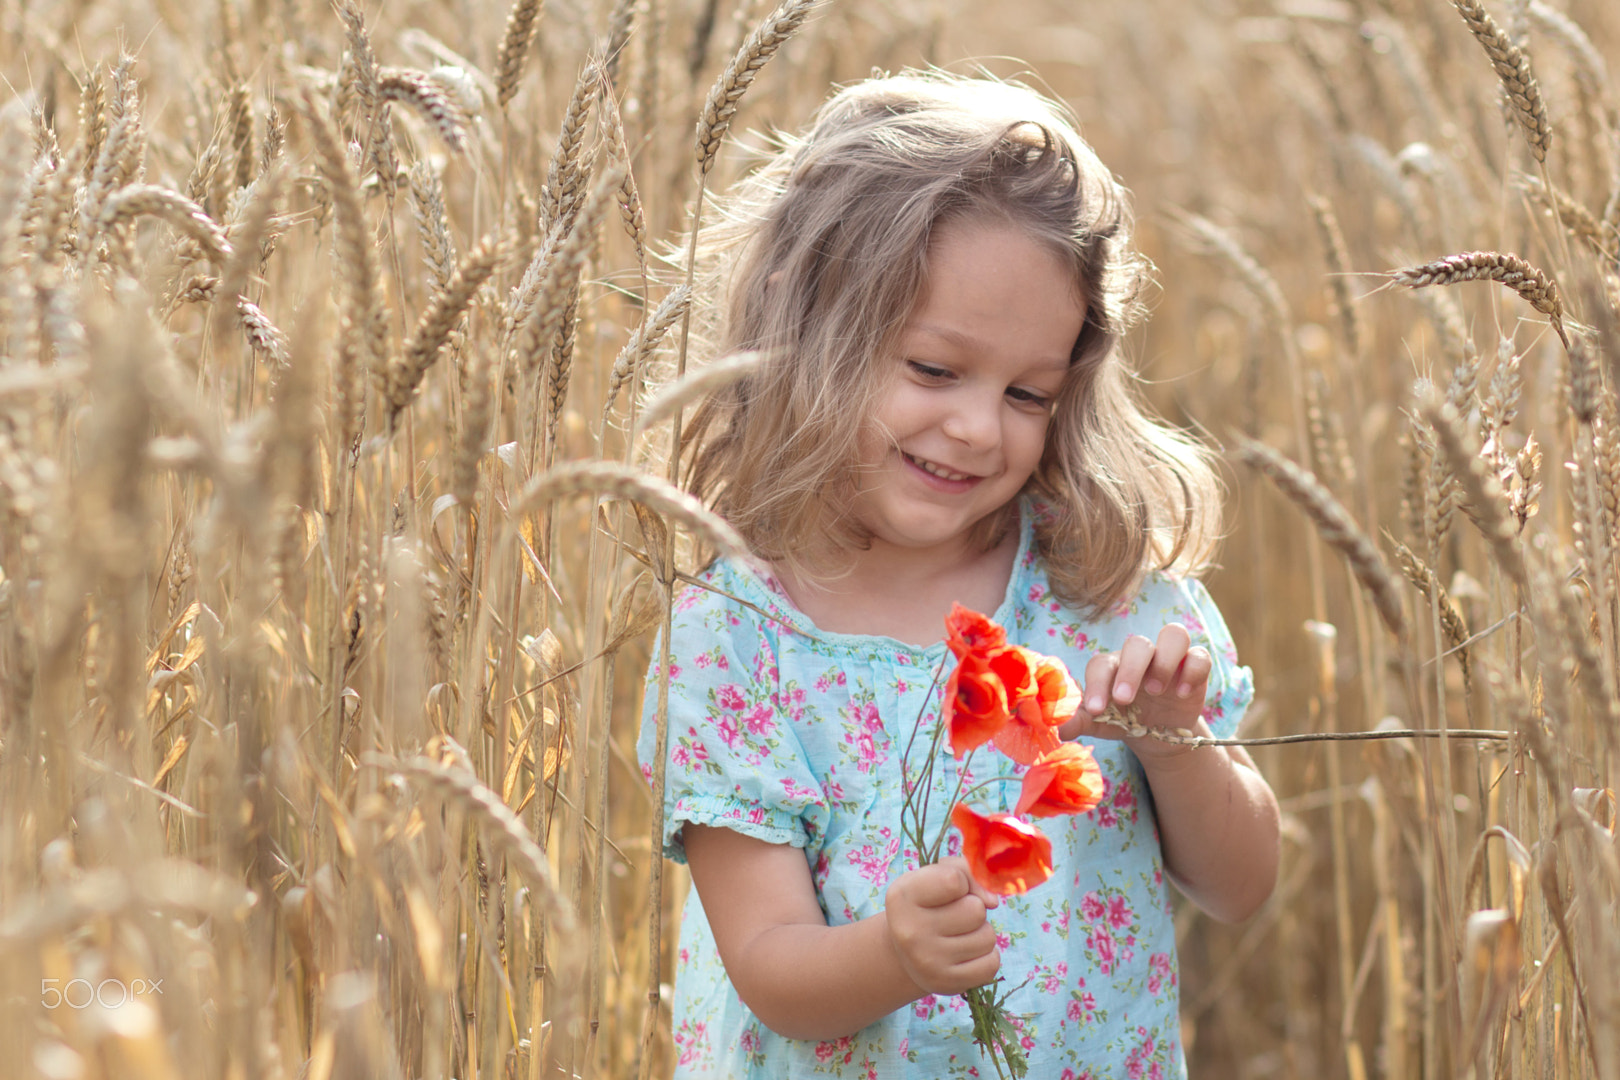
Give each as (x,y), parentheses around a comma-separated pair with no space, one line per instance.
(980,361)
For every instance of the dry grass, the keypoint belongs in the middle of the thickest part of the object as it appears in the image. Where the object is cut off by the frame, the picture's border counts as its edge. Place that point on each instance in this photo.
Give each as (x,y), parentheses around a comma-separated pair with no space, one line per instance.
(317,697)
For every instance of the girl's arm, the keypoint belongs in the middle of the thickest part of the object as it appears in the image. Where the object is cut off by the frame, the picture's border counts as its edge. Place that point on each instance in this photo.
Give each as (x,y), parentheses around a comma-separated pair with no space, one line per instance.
(807,980)
(1217,815)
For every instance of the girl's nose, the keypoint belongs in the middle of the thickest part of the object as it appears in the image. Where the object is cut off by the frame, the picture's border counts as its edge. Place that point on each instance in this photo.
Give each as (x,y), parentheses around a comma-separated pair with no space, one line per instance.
(974,422)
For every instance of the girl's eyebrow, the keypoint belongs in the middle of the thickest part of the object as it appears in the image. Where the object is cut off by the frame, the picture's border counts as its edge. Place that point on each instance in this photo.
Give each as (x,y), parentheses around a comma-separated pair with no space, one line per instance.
(966,341)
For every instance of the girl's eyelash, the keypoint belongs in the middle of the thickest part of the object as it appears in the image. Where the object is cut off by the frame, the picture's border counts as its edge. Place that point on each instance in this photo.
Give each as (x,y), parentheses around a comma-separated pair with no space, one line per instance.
(1027,397)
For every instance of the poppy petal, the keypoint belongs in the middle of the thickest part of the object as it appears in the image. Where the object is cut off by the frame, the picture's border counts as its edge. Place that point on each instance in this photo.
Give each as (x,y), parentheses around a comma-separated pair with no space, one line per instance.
(968,631)
(1005,855)
(1064,781)
(975,706)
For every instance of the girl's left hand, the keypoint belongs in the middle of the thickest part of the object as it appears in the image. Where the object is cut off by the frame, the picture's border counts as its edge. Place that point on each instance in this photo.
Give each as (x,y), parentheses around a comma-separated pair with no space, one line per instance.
(1165,680)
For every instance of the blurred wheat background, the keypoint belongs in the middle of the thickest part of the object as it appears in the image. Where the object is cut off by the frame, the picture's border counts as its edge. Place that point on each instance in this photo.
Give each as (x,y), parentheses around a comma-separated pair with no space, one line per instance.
(335,524)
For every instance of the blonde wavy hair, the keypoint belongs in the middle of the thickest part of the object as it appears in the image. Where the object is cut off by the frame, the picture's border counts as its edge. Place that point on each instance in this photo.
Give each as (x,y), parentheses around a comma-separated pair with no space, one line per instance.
(818,257)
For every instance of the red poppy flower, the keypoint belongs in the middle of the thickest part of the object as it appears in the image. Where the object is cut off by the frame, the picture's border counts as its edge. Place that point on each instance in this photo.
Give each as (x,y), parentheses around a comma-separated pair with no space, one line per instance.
(1057,695)
(1005,855)
(1040,695)
(968,631)
(975,706)
(1065,781)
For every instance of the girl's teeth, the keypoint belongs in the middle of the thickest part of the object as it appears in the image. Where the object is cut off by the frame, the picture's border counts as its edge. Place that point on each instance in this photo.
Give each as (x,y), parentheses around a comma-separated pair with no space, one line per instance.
(942,473)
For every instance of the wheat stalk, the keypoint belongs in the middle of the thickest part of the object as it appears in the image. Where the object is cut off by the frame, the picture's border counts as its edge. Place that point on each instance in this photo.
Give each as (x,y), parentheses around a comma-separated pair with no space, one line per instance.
(1334,523)
(1512,66)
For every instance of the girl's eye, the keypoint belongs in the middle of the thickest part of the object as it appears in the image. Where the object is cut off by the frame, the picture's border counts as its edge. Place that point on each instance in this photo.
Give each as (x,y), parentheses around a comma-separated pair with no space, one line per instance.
(1029,397)
(927,371)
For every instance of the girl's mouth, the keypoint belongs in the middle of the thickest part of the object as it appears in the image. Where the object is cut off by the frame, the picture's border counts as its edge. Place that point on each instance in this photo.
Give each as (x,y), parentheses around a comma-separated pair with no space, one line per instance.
(938,472)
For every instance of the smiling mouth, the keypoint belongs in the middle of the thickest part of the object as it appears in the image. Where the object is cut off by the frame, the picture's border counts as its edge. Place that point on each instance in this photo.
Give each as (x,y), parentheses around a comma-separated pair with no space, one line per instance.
(938,470)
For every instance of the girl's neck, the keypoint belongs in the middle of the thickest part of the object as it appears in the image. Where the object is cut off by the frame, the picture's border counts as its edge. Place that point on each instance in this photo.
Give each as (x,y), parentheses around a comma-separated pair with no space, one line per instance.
(892,592)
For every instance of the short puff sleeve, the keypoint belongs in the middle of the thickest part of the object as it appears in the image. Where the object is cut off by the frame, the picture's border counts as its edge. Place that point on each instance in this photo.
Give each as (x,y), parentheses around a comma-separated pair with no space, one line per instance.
(1231,685)
(733,757)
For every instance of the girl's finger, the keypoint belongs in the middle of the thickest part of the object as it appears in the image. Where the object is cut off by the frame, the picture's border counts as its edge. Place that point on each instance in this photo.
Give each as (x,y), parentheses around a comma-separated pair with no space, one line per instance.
(1167,657)
(1193,678)
(1100,681)
(945,882)
(1134,658)
(960,919)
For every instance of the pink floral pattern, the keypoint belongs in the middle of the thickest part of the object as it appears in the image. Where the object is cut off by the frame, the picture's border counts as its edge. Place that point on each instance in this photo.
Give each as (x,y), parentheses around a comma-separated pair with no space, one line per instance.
(794,735)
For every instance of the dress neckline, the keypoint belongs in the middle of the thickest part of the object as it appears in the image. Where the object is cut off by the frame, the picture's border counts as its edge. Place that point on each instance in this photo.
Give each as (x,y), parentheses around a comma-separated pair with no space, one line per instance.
(759,590)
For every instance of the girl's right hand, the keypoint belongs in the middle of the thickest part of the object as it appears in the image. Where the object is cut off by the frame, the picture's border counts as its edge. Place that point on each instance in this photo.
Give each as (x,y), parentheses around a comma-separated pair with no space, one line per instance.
(939,930)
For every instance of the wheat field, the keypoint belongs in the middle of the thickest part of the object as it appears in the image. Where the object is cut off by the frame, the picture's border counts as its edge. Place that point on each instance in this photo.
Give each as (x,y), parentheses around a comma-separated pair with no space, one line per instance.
(341,350)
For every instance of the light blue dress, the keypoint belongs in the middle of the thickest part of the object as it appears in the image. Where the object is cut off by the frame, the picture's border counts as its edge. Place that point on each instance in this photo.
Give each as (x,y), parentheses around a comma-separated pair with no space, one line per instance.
(795,736)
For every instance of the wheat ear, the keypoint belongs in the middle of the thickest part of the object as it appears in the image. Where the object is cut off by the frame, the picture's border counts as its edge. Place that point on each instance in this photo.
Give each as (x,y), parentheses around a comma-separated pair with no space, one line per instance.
(1590,70)
(619,481)
(621,23)
(241,125)
(1534,286)
(438,321)
(1338,259)
(552,305)
(423,93)
(1486,502)
(756,51)
(521,23)
(1580,222)
(495,820)
(644,341)
(1334,523)
(473,435)
(262,335)
(697,384)
(359,348)
(629,197)
(432,224)
(92,118)
(139,199)
(565,176)
(1512,66)
(1451,619)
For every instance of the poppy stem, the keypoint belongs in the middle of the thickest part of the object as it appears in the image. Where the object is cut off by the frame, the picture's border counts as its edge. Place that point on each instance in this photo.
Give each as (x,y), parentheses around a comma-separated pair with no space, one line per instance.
(913,817)
(956,796)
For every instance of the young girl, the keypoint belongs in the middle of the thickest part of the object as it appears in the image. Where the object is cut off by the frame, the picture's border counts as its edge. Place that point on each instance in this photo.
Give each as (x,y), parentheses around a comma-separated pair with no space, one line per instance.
(939,272)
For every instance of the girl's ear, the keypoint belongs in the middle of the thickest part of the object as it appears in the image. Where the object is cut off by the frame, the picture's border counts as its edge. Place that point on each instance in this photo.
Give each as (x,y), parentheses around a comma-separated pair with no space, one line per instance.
(773,277)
